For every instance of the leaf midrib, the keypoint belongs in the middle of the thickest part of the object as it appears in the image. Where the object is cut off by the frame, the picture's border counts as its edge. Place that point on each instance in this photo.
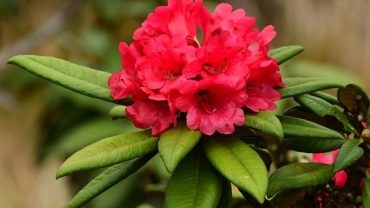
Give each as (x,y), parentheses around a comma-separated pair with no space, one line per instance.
(119,149)
(196,179)
(242,165)
(68,75)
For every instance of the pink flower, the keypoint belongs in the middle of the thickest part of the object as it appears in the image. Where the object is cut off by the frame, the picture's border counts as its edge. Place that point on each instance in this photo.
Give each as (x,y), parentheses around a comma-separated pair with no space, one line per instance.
(340,177)
(210,66)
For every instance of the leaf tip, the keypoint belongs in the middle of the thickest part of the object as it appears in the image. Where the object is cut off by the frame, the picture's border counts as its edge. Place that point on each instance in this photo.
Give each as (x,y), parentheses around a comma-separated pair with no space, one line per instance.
(62,171)
(13,59)
(60,174)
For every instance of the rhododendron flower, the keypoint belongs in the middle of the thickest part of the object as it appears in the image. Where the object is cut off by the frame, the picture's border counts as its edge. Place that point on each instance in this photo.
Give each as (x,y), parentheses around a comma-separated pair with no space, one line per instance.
(210,66)
(340,177)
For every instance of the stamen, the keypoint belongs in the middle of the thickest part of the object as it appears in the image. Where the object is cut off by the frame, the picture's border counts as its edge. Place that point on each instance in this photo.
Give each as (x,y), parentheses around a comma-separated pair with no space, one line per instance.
(169,75)
(214,70)
(206,104)
(192,41)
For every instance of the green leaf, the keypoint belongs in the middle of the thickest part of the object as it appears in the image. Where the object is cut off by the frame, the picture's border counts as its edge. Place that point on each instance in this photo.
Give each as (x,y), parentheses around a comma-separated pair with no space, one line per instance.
(297,86)
(239,163)
(265,155)
(325,96)
(194,183)
(366,193)
(83,80)
(298,175)
(109,151)
(285,53)
(226,195)
(105,180)
(323,108)
(117,111)
(305,136)
(176,143)
(266,122)
(348,154)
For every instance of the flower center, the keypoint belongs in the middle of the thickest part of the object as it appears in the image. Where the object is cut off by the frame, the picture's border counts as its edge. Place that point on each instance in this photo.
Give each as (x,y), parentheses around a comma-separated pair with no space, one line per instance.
(192,41)
(207,67)
(205,102)
(169,75)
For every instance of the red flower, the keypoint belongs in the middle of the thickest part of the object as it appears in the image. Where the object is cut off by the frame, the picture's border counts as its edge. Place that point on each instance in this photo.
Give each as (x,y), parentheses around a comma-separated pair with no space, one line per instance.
(146,113)
(340,177)
(213,104)
(210,66)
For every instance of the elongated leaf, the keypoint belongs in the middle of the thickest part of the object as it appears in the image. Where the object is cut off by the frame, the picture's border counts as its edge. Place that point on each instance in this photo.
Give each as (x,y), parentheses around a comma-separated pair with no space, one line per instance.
(325,96)
(84,80)
(366,193)
(194,183)
(323,108)
(298,175)
(285,53)
(305,136)
(266,122)
(109,151)
(117,111)
(175,143)
(297,86)
(239,163)
(348,154)
(106,180)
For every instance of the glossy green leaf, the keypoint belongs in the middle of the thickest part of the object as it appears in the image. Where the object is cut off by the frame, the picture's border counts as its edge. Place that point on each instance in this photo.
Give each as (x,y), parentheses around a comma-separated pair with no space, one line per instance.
(105,180)
(265,155)
(239,163)
(81,79)
(109,151)
(297,86)
(176,143)
(366,193)
(348,154)
(298,175)
(305,136)
(323,108)
(325,96)
(194,183)
(285,53)
(117,111)
(266,122)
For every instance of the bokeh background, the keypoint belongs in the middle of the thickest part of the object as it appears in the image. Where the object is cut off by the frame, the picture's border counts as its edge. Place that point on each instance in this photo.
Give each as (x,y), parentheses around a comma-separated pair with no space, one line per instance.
(41,124)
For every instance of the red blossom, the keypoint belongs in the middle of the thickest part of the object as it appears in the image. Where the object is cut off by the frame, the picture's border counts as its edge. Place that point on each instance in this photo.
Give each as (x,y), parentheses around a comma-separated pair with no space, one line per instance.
(340,177)
(211,66)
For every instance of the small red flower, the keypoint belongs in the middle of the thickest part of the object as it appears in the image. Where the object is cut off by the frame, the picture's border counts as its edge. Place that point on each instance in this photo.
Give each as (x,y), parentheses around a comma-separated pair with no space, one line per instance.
(211,66)
(340,177)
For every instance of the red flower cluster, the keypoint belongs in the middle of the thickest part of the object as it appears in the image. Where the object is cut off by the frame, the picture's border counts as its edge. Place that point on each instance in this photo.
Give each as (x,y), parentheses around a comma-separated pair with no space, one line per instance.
(209,65)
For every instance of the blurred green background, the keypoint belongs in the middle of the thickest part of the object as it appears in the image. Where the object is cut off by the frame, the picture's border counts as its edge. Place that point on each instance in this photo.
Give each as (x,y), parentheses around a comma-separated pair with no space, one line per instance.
(41,124)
